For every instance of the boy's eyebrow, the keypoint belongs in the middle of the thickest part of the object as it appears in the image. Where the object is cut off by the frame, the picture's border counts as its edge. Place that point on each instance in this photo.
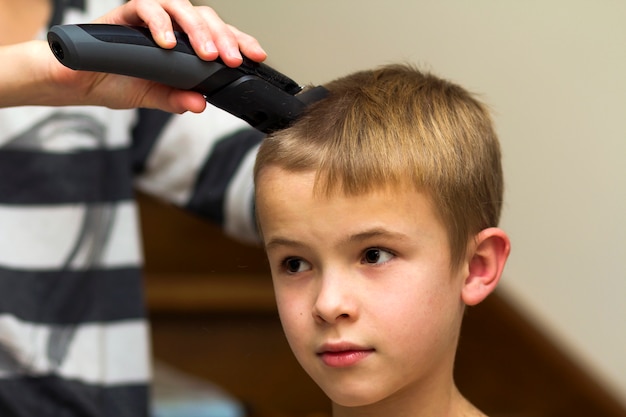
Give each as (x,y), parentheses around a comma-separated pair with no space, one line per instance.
(374,233)
(357,237)
(283,241)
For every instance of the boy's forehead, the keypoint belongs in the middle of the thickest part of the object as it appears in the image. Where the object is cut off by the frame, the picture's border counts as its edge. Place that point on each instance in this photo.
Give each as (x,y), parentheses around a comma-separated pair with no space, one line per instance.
(285,195)
(274,179)
(326,186)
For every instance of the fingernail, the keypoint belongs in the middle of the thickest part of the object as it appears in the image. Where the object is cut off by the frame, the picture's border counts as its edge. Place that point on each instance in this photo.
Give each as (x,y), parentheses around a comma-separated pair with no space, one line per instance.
(235,54)
(209,47)
(169,36)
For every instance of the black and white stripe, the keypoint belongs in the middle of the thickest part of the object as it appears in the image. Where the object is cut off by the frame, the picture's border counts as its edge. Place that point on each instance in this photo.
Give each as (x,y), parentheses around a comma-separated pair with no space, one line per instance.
(73,334)
(52,396)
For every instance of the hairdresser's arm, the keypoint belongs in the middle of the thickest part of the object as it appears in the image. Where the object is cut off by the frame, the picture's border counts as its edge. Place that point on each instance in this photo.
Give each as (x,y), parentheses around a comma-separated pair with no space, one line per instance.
(30,75)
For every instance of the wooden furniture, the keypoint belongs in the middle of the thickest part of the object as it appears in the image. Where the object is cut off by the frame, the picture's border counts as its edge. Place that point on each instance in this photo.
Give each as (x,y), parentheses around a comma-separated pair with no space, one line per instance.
(213,315)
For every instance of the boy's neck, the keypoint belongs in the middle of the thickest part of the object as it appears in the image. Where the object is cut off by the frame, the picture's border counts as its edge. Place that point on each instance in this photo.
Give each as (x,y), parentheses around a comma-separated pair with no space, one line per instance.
(21,20)
(452,405)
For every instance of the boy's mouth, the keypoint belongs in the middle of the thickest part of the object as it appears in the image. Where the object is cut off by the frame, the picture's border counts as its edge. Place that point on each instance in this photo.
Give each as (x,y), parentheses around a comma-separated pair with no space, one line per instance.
(342,355)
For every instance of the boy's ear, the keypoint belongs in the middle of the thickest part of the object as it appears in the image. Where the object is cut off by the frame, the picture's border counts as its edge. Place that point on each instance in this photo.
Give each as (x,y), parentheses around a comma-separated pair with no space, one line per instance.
(491,249)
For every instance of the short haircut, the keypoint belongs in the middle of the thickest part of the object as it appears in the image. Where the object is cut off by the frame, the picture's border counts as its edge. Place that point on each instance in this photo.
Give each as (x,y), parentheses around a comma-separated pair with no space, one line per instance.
(397,126)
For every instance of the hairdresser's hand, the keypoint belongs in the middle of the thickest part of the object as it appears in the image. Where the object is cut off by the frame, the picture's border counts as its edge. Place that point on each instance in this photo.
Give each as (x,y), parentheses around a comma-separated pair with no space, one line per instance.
(208,34)
(35,77)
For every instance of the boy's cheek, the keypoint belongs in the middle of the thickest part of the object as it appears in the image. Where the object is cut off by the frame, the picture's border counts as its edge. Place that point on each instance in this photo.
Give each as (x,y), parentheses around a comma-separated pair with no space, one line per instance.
(292,305)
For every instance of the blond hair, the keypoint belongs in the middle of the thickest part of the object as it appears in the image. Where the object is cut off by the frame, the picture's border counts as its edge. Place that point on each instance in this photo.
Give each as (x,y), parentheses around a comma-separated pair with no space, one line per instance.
(395,127)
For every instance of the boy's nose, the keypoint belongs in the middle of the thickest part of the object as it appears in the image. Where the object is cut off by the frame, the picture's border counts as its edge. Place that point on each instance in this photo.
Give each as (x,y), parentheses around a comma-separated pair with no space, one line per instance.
(335,300)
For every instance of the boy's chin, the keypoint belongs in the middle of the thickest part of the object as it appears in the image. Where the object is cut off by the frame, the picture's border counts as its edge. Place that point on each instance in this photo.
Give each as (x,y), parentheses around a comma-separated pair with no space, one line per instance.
(352,397)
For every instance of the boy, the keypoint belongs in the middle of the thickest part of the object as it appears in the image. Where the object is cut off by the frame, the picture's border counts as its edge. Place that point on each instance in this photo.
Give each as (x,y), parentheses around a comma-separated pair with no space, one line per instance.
(378,211)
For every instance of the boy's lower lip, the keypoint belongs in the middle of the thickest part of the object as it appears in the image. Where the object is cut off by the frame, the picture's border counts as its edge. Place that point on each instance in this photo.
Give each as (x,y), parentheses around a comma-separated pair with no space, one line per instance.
(344,358)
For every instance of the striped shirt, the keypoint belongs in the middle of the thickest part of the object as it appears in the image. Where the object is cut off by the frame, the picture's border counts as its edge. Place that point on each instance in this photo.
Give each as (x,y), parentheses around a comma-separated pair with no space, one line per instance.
(73,332)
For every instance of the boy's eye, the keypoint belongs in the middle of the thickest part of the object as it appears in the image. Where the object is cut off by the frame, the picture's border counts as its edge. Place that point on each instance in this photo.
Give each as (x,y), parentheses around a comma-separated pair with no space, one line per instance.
(294,265)
(376,256)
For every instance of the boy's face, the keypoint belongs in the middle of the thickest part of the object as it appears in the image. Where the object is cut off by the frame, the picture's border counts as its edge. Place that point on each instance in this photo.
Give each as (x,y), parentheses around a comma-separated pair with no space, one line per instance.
(366,295)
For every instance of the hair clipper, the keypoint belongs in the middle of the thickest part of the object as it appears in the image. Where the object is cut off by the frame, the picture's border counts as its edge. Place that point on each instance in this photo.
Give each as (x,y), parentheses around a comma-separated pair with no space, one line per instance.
(254,92)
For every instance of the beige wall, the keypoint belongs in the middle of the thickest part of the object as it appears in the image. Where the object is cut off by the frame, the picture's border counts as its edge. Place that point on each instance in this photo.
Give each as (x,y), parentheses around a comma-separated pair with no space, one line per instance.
(554,73)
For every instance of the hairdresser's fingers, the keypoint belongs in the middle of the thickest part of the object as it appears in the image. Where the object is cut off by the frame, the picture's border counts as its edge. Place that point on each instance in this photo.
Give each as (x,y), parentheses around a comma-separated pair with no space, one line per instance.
(248,45)
(162,17)
(217,34)
(144,13)
(174,101)
(122,92)
(209,35)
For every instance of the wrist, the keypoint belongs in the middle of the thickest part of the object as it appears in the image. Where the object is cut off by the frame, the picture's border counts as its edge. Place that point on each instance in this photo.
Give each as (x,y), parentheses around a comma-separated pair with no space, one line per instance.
(25,75)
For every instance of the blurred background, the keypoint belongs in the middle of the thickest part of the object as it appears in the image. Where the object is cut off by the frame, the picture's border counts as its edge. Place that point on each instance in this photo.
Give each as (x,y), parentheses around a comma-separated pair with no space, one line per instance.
(554,75)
